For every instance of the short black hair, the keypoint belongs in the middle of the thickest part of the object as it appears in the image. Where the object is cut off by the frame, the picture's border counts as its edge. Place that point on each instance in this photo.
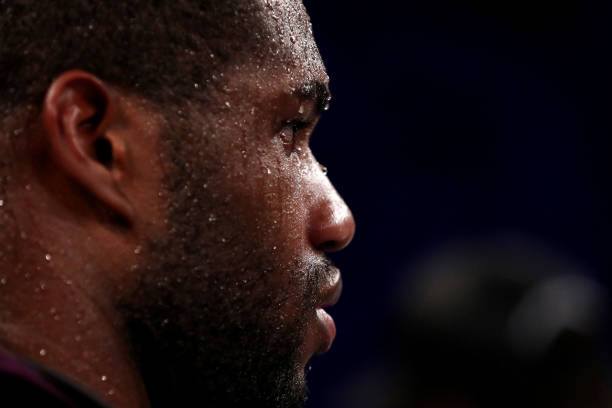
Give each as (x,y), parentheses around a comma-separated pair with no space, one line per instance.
(164,50)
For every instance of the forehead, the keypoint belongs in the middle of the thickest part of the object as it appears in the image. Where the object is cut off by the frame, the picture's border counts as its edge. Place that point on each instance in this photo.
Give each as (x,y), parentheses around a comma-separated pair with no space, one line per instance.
(283,45)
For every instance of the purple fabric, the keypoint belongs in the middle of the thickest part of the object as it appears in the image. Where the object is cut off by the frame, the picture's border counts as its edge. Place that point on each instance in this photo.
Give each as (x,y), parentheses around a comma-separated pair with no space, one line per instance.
(25,383)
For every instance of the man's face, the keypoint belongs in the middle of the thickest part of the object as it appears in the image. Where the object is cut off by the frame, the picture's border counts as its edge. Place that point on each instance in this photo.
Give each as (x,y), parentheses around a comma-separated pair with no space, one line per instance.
(230,303)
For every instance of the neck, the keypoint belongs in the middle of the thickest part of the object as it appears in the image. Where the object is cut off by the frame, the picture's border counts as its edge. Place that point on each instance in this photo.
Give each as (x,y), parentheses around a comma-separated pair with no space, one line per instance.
(57,291)
(55,322)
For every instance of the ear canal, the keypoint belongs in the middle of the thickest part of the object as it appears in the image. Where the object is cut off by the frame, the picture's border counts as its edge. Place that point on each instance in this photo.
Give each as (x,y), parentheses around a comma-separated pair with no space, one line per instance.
(104,152)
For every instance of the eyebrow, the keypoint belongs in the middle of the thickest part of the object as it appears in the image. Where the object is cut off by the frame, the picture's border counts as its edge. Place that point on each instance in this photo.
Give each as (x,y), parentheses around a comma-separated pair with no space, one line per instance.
(317,92)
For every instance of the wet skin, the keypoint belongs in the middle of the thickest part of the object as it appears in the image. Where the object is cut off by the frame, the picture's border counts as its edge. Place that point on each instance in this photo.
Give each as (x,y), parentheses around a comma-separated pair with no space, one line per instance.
(266,215)
(206,226)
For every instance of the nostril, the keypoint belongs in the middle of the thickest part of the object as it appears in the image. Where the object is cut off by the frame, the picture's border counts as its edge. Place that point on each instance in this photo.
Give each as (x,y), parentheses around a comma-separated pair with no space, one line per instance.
(328,245)
(334,237)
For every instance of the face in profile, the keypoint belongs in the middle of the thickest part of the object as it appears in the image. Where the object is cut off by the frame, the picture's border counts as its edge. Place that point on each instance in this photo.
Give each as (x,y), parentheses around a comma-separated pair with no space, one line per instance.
(230,303)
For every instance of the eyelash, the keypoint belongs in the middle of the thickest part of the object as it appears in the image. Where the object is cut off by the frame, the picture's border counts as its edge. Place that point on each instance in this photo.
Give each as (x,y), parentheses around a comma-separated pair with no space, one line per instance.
(295,126)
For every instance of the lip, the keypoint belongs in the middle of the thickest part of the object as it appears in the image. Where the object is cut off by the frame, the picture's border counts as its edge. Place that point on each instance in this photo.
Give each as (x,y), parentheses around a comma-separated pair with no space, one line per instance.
(330,296)
(328,330)
(332,290)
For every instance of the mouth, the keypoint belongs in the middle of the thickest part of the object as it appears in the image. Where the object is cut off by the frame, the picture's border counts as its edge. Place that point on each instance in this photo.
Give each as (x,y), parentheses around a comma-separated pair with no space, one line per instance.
(325,323)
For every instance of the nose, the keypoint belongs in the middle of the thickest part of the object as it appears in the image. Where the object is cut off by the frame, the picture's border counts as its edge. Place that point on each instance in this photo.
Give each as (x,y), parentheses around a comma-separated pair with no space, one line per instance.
(331,224)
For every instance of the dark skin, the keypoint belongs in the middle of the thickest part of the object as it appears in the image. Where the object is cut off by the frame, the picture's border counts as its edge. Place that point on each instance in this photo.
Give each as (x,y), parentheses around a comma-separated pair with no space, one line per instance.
(93,193)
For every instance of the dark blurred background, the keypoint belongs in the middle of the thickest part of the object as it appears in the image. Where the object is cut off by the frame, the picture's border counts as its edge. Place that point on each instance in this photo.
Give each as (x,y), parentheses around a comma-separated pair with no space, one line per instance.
(453,124)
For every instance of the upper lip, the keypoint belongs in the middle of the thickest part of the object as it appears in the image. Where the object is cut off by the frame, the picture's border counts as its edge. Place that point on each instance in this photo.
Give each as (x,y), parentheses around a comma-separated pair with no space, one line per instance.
(331,291)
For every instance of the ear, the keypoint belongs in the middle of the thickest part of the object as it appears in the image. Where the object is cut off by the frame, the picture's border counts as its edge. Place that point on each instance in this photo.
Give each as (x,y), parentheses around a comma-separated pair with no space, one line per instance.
(77,115)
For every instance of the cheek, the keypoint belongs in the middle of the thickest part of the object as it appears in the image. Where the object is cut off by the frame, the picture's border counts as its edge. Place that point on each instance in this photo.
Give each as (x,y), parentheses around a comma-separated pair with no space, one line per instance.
(265,190)
(286,193)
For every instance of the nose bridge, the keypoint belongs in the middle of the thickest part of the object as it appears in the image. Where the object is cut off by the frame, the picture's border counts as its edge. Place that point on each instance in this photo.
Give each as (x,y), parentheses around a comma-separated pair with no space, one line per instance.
(331,223)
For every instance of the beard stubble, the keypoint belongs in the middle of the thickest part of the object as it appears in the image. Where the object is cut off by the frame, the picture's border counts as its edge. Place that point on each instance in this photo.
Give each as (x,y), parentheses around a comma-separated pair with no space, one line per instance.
(217,320)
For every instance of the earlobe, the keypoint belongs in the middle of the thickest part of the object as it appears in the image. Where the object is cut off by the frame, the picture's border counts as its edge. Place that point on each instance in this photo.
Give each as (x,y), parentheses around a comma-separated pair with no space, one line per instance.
(77,115)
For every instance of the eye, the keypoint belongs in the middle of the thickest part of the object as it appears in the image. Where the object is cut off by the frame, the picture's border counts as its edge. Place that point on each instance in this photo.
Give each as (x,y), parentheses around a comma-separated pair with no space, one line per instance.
(290,134)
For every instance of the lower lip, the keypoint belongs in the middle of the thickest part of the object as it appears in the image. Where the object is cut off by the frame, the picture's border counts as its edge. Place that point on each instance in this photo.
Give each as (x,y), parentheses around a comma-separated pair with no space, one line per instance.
(329,329)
